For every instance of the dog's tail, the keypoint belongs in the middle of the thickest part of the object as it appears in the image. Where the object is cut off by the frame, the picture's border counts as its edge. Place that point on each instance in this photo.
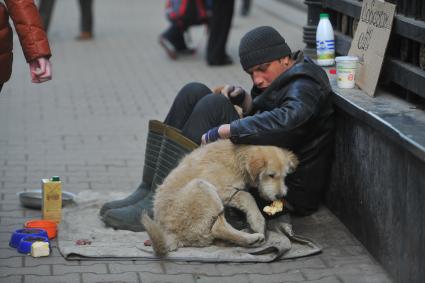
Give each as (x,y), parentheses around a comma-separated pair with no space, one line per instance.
(156,234)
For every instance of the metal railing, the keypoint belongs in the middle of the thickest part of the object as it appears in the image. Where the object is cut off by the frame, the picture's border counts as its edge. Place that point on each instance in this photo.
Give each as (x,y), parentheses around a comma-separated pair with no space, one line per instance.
(403,71)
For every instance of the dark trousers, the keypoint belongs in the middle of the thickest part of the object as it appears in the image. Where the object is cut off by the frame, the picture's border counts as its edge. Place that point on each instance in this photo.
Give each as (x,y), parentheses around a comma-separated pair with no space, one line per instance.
(219,28)
(174,35)
(86,8)
(196,109)
(46,9)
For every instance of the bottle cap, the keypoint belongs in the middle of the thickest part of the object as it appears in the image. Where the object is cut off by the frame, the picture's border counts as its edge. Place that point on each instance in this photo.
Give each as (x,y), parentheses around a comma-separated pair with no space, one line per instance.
(55,179)
(324,15)
(332,71)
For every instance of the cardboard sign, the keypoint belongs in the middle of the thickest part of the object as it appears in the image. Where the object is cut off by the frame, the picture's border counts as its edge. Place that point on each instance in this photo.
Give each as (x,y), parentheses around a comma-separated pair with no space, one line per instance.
(370,42)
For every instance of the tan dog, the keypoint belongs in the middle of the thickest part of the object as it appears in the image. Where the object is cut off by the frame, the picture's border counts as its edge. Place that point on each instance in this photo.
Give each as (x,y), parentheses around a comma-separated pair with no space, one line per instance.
(188,206)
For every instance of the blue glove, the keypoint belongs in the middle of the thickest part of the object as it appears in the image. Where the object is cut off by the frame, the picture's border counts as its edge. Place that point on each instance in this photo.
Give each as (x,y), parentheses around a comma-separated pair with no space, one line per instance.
(212,135)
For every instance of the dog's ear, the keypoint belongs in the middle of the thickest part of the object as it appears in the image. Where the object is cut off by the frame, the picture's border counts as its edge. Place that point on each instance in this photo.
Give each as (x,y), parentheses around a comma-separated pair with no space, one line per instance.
(292,162)
(255,165)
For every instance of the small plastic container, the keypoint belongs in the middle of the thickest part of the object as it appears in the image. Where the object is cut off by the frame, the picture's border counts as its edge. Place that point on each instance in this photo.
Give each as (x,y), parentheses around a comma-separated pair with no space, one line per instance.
(21,233)
(26,243)
(346,67)
(48,225)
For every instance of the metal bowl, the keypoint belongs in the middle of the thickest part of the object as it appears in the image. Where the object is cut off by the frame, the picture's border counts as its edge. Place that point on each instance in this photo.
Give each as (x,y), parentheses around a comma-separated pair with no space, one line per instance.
(32,199)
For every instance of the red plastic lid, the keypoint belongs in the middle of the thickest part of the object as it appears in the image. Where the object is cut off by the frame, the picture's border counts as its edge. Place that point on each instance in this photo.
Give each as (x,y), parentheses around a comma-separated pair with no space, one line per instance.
(332,71)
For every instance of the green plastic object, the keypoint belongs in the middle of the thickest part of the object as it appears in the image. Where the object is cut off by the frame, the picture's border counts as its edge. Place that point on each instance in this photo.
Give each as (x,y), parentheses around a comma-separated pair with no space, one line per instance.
(324,15)
(55,179)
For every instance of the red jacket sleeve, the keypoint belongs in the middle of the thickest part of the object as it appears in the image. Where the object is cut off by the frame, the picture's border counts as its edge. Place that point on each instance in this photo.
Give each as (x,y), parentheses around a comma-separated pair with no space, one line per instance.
(29,27)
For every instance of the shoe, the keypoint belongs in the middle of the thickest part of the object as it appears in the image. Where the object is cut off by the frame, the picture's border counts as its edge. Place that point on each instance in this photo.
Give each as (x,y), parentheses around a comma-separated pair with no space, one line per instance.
(153,148)
(135,197)
(186,52)
(227,60)
(128,218)
(85,35)
(168,47)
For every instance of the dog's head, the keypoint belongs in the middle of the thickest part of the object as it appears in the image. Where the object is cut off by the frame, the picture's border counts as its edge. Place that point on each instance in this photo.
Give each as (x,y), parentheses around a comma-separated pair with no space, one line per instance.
(267,167)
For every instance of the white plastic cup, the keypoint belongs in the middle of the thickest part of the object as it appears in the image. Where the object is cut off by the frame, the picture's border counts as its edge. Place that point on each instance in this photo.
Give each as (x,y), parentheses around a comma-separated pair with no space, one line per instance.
(325,42)
(346,67)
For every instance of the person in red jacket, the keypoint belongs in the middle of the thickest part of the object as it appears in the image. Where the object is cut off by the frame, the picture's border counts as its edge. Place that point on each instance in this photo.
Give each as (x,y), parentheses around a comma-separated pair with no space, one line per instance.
(32,37)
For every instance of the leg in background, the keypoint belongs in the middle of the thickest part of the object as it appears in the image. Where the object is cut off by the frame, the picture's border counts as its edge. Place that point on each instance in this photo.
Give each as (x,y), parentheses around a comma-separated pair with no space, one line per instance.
(46,9)
(220,24)
(86,26)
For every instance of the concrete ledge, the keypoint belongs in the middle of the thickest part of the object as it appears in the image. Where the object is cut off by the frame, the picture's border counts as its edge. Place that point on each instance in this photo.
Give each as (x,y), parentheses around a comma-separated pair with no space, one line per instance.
(378,182)
(393,117)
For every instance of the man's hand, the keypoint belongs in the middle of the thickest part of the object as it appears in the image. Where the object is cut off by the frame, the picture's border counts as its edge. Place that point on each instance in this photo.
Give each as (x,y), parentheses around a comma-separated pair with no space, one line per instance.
(238,96)
(40,70)
(235,94)
(221,132)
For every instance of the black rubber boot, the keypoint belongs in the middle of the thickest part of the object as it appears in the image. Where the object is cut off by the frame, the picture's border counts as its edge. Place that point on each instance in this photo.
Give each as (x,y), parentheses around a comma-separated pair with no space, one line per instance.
(174,147)
(153,147)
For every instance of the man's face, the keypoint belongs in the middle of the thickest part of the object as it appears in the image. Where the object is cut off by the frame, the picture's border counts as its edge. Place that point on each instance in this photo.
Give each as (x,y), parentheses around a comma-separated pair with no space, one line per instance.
(263,75)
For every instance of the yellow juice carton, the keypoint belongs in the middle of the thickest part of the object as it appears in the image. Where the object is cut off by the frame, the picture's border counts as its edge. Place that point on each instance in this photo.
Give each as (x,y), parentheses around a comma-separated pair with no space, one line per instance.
(52,199)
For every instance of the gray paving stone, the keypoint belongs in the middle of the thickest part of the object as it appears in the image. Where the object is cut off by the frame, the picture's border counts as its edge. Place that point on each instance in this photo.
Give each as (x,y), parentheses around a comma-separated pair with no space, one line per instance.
(165,278)
(15,262)
(37,270)
(313,262)
(290,276)
(228,269)
(68,278)
(332,261)
(59,269)
(8,253)
(329,279)
(373,278)
(140,266)
(239,278)
(193,268)
(13,213)
(11,279)
(127,277)
(362,271)
(52,260)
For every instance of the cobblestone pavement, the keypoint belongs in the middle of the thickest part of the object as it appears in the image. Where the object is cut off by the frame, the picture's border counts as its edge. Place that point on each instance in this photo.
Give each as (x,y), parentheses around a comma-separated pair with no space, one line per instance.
(89,126)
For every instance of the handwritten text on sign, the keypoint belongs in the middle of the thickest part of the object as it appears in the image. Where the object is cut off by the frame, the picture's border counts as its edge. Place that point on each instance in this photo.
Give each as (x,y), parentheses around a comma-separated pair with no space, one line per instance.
(370,42)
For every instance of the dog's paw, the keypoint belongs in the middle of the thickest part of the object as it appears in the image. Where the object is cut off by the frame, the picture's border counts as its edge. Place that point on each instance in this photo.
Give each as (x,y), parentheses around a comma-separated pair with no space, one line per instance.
(256,239)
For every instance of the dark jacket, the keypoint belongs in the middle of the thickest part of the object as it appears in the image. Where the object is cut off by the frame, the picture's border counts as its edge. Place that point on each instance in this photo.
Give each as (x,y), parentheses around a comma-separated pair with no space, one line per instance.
(295,112)
(29,28)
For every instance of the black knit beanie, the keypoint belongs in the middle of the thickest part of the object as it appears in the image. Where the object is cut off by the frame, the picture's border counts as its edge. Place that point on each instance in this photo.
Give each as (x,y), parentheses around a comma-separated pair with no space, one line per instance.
(261,45)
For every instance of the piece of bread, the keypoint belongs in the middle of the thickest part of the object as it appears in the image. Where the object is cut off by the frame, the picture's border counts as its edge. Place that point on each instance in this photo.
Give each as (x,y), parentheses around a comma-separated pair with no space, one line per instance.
(39,249)
(275,207)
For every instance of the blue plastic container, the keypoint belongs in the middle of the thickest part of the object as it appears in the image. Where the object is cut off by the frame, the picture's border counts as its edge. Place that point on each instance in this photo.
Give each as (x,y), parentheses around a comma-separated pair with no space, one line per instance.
(21,233)
(26,243)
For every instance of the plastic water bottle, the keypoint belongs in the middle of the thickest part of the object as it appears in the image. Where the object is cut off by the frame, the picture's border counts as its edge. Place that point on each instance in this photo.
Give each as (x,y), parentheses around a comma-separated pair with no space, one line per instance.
(325,42)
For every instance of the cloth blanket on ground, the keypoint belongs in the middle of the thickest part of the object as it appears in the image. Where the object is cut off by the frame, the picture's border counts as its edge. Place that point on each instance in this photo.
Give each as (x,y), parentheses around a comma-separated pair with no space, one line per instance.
(83,236)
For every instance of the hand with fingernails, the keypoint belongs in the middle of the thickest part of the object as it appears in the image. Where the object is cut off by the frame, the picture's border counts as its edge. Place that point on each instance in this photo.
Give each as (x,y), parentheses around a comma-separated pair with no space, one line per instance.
(238,96)
(40,70)
(235,94)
